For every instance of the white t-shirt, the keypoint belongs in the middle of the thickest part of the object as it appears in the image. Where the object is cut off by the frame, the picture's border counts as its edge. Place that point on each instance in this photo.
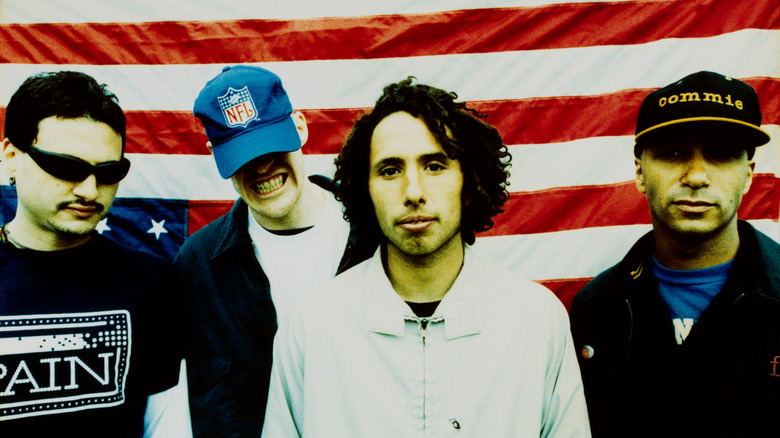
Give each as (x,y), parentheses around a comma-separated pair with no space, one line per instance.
(295,264)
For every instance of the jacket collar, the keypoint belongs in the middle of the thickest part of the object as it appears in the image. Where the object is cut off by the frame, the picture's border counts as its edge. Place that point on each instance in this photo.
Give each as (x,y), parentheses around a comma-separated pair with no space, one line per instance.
(233,229)
(757,261)
(461,310)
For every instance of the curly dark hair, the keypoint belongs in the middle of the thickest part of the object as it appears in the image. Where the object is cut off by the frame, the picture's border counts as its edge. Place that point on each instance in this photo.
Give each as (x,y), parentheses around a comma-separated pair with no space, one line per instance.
(64,94)
(484,159)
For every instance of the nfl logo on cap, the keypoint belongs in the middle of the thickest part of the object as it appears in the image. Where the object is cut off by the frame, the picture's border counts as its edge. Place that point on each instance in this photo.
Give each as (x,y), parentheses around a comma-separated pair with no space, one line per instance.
(246,114)
(238,107)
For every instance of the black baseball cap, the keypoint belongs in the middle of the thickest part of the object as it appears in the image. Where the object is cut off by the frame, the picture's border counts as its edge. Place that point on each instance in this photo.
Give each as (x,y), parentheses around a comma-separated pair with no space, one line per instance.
(705,102)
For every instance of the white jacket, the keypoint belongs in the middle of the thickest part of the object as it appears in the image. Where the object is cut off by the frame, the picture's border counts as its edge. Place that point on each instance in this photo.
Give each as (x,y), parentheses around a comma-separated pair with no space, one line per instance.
(495,360)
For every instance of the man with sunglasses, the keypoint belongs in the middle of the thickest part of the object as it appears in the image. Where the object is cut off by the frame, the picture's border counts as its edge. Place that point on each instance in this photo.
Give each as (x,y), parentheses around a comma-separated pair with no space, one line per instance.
(88,328)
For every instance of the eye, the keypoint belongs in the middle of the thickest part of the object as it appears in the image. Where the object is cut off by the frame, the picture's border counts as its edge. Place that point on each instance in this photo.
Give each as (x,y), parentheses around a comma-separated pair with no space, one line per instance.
(388,171)
(724,153)
(670,153)
(435,167)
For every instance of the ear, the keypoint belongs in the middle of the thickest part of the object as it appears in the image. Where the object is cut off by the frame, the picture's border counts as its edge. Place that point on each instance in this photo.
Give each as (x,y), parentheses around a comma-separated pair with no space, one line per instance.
(751,168)
(300,124)
(639,177)
(8,157)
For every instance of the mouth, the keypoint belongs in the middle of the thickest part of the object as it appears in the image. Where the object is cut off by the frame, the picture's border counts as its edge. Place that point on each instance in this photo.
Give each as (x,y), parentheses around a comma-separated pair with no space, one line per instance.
(692,206)
(269,185)
(415,224)
(82,210)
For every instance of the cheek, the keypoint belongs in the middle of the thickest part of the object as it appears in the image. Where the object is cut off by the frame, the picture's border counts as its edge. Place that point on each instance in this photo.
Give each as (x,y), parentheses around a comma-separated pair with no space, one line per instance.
(453,190)
(108,193)
(238,184)
(378,196)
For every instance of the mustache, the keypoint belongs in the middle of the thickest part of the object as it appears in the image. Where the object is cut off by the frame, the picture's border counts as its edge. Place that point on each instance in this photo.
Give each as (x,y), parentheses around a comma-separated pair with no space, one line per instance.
(694,196)
(96,205)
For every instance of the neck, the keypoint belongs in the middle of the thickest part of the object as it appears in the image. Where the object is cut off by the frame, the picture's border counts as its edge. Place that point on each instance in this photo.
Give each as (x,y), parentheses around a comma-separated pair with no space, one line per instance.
(424,279)
(25,235)
(685,253)
(305,213)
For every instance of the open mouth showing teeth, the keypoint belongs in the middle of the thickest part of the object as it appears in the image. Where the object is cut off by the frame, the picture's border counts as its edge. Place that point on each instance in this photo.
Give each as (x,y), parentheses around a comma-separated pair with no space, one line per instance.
(269,186)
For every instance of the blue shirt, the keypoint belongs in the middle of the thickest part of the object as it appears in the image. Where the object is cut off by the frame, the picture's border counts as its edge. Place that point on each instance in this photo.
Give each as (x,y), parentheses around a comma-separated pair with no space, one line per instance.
(688,293)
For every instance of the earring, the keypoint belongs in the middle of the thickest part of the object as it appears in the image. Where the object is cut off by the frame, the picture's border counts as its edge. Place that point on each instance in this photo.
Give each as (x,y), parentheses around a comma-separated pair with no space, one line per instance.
(12,181)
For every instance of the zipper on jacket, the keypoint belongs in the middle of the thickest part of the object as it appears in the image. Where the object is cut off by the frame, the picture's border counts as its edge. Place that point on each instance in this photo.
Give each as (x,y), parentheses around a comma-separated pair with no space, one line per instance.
(423,334)
(625,363)
(423,329)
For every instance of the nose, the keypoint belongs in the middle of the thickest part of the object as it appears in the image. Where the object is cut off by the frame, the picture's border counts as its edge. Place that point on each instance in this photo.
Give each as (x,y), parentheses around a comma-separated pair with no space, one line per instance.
(413,189)
(262,164)
(696,174)
(87,189)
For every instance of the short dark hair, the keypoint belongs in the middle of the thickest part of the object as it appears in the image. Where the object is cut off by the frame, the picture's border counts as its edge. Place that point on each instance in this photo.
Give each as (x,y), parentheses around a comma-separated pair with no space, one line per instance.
(64,94)
(483,157)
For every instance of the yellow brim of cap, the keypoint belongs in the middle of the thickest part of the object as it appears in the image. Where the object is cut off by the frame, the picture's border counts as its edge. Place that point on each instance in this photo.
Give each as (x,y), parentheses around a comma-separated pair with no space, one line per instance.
(706,119)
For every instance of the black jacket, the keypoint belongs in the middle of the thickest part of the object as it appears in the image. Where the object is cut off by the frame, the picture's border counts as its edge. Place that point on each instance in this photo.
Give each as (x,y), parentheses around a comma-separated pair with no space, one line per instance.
(723,381)
(231,324)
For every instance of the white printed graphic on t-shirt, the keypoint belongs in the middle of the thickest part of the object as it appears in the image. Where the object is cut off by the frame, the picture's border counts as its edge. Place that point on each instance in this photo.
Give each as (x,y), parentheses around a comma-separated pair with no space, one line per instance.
(62,362)
(682,327)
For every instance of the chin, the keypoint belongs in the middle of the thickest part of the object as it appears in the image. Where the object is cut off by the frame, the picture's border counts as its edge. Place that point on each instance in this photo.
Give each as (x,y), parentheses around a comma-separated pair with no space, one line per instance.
(696,229)
(76,230)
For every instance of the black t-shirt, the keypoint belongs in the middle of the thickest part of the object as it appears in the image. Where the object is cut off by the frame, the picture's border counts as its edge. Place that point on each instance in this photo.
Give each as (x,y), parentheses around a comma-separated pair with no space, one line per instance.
(86,335)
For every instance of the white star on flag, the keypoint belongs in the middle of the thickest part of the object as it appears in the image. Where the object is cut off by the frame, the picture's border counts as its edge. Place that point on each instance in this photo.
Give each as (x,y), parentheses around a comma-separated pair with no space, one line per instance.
(102,226)
(158,228)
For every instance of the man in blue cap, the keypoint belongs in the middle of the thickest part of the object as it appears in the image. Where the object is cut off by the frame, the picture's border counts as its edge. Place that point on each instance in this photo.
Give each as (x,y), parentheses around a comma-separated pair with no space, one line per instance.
(241,273)
(682,337)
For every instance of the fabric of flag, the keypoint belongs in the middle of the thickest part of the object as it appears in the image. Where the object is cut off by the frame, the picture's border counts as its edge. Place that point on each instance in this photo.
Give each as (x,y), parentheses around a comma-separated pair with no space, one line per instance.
(562,82)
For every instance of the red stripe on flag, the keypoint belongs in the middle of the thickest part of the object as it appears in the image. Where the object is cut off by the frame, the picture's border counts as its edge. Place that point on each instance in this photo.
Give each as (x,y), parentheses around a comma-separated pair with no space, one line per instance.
(570,208)
(202,213)
(451,32)
(763,199)
(165,132)
(565,289)
(523,121)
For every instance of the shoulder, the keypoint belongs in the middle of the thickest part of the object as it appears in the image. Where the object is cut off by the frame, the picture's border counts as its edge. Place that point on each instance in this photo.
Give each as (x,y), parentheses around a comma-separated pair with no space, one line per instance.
(768,247)
(520,296)
(598,285)
(129,258)
(763,256)
(212,234)
(345,294)
(633,265)
(349,284)
(517,288)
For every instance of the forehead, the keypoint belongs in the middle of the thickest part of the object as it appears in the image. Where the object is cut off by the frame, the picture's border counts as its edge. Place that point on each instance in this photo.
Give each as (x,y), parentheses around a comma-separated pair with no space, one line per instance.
(81,137)
(400,135)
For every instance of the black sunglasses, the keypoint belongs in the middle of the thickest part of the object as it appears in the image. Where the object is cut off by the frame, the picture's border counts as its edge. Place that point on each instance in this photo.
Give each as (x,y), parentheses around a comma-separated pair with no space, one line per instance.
(75,169)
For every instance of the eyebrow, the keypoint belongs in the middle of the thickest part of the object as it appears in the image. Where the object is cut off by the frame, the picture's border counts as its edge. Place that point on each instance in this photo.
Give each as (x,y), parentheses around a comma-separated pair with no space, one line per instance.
(437,156)
(425,158)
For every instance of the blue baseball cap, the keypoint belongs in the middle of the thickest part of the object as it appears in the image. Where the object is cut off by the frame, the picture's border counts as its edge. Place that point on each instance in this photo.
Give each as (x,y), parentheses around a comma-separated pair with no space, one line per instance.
(246,114)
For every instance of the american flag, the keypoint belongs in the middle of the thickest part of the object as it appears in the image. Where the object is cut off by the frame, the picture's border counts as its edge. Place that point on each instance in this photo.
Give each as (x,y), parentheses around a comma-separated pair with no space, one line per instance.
(561,81)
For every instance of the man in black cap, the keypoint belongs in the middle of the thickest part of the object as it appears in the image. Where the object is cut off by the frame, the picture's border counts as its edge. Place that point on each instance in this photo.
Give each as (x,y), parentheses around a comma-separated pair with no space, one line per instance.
(242,273)
(682,337)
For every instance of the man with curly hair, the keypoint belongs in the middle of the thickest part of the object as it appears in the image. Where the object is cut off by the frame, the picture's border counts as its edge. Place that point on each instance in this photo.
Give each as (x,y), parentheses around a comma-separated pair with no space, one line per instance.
(425,339)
